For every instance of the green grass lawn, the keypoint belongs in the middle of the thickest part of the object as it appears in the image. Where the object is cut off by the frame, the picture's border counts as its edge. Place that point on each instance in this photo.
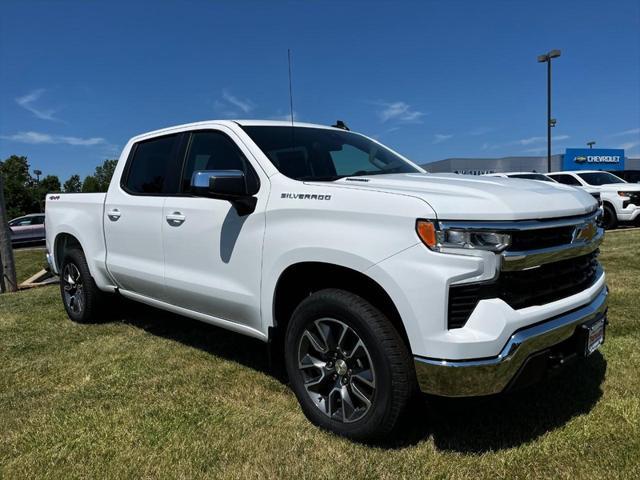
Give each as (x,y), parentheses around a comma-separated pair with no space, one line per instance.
(154,395)
(29,261)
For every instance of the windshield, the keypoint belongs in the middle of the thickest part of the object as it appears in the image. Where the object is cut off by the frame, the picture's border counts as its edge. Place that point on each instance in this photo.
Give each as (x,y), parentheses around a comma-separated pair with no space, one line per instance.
(600,178)
(320,154)
(533,176)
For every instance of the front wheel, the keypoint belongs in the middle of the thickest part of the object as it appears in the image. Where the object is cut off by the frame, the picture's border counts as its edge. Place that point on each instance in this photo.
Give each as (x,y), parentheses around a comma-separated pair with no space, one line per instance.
(610,220)
(347,365)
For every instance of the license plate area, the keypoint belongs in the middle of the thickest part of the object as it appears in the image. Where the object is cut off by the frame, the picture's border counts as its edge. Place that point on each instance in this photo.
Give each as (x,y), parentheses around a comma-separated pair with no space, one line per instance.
(594,335)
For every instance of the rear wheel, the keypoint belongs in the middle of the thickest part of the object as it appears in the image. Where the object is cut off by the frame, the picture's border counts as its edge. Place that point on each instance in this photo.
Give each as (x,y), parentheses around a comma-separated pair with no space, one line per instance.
(347,365)
(81,297)
(610,219)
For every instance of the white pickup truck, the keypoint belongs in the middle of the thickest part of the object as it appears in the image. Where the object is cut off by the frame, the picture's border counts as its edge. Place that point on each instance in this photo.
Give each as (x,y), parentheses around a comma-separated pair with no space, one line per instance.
(620,200)
(367,276)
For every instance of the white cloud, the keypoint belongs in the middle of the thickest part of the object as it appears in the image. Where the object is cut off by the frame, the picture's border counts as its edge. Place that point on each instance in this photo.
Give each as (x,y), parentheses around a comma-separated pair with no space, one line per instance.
(629,145)
(530,140)
(481,131)
(535,150)
(378,135)
(524,142)
(244,105)
(46,138)
(633,131)
(80,141)
(441,137)
(27,102)
(398,111)
(285,116)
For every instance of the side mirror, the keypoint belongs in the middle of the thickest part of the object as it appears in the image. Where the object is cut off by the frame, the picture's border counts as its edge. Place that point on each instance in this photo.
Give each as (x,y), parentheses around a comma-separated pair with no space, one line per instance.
(225,185)
(219,183)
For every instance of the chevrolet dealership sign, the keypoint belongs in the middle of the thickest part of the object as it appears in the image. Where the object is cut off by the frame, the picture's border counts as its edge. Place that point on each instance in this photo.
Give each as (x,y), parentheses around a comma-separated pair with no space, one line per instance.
(593,159)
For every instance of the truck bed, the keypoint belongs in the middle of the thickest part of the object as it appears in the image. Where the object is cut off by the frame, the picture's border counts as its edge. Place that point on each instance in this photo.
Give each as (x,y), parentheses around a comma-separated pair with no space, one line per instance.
(79,215)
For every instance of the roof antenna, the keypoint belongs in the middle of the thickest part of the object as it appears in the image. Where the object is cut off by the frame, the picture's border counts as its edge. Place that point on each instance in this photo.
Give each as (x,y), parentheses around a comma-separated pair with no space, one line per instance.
(290,89)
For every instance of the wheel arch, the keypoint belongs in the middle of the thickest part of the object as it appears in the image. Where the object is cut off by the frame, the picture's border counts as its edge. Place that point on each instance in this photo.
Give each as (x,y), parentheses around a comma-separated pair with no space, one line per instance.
(301,279)
(63,242)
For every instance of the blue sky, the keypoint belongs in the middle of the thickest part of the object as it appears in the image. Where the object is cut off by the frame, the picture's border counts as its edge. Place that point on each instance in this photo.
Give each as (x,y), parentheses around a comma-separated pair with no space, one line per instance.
(430,79)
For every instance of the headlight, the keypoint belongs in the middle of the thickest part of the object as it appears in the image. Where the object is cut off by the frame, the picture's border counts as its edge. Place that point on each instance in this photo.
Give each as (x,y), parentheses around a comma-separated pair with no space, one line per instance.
(625,194)
(437,239)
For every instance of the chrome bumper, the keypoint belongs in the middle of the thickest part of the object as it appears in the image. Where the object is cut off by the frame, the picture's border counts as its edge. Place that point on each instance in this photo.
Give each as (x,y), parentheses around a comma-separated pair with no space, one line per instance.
(486,376)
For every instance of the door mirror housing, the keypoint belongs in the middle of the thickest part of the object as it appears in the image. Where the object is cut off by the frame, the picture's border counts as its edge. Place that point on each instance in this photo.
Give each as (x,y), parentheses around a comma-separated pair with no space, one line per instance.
(225,184)
(228,185)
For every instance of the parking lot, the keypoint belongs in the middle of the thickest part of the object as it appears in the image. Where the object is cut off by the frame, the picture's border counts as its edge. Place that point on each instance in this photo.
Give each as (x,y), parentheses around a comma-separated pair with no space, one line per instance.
(150,395)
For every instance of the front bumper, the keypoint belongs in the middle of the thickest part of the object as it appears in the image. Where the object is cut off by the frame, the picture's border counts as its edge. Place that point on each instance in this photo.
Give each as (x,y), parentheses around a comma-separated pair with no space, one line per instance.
(629,213)
(486,376)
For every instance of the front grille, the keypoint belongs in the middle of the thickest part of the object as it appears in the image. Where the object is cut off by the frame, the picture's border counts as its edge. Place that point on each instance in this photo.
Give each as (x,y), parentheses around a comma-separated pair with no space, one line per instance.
(525,288)
(549,282)
(541,238)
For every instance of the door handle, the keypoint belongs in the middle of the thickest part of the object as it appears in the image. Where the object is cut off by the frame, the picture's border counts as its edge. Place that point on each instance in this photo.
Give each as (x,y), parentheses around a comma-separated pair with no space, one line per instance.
(176,219)
(114,214)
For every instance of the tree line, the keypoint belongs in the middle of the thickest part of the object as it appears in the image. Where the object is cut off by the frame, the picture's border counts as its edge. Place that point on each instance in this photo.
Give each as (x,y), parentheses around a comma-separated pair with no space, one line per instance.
(25,194)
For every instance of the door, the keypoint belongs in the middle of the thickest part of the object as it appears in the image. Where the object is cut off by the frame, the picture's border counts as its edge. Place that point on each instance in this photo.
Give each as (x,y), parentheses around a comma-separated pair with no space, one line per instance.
(213,254)
(36,232)
(133,215)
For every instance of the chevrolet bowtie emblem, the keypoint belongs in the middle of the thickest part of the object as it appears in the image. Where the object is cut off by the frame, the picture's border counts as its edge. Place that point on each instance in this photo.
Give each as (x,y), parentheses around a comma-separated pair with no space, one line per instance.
(585,232)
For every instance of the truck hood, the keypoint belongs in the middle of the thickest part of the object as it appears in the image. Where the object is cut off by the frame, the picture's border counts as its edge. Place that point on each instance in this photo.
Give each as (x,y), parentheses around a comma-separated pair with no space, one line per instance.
(467,197)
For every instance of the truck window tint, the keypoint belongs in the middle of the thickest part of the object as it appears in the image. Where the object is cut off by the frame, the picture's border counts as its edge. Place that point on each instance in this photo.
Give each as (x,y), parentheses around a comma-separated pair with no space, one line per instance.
(566,179)
(153,164)
(212,150)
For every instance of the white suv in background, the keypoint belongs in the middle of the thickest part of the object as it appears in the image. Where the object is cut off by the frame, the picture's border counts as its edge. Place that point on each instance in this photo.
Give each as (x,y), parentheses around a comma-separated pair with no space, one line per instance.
(621,200)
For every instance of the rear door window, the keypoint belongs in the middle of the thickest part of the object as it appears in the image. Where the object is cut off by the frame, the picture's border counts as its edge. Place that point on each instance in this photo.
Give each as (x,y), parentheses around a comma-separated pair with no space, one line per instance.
(154,166)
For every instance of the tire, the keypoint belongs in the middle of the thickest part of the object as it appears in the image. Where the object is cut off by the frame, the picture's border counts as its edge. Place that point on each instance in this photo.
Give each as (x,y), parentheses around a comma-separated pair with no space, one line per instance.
(323,358)
(610,219)
(80,296)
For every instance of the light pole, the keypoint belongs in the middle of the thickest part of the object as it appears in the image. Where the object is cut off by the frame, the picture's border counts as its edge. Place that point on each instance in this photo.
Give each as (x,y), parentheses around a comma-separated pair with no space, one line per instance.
(546,58)
(37,174)
(591,144)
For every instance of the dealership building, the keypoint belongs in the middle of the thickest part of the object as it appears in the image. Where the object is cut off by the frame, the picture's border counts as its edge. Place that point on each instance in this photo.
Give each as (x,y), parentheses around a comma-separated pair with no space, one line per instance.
(572,159)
